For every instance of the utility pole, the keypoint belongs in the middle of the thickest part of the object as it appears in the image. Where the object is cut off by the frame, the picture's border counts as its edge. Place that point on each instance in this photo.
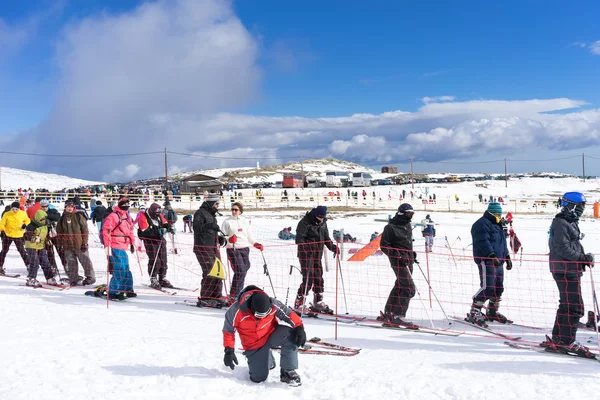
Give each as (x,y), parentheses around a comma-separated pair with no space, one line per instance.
(412,174)
(302,171)
(583,164)
(166,174)
(505,176)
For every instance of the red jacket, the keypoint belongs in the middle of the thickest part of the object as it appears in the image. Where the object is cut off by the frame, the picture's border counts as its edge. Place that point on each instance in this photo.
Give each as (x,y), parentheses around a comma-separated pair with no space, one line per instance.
(254,332)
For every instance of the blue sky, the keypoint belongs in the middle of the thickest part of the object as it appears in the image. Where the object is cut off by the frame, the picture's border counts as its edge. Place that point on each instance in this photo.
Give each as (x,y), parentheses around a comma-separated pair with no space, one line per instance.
(315,59)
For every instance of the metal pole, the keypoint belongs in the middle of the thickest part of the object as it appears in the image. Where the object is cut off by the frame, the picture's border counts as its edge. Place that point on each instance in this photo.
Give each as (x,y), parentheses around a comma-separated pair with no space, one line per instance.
(166,176)
(412,174)
(583,164)
(505,177)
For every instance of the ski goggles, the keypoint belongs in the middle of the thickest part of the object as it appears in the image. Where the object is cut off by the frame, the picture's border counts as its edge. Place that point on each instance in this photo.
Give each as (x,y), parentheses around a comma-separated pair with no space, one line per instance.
(261,315)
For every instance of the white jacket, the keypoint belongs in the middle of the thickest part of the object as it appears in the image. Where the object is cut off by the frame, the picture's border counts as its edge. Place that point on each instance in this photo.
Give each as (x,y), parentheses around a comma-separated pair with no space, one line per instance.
(240,227)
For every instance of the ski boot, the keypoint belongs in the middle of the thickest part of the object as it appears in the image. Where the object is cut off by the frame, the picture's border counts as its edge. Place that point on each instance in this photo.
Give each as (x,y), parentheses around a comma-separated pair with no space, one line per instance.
(272,362)
(476,317)
(395,320)
(321,308)
(591,322)
(88,281)
(154,284)
(492,313)
(101,291)
(32,282)
(575,349)
(164,282)
(51,282)
(290,377)
(299,307)
(380,317)
(130,294)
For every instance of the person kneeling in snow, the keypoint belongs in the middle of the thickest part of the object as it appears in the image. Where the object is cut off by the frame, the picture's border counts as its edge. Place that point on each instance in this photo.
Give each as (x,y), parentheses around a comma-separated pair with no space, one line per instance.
(255,316)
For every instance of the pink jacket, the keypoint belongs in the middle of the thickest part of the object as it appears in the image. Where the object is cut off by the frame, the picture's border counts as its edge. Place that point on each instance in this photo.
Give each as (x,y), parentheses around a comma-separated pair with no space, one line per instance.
(117,230)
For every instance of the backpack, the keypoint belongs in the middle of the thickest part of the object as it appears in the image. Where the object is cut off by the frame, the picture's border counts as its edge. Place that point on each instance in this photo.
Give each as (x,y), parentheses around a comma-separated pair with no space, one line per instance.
(169,215)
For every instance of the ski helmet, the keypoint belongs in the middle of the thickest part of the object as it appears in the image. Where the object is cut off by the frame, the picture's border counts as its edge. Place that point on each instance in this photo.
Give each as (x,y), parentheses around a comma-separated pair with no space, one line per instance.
(574,201)
(405,208)
(260,303)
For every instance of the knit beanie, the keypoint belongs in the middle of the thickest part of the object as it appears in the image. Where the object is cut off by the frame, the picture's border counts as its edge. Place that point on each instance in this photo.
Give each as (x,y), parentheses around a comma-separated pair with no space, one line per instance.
(320,211)
(494,208)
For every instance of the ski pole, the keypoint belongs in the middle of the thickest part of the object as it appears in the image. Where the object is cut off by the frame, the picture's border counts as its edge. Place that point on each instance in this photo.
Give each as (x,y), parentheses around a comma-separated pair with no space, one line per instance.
(419,294)
(266,272)
(339,265)
(432,292)
(155,259)
(451,253)
(287,293)
(595,300)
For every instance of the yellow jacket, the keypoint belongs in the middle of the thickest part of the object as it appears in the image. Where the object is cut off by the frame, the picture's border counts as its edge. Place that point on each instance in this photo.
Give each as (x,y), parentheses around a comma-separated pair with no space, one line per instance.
(12,222)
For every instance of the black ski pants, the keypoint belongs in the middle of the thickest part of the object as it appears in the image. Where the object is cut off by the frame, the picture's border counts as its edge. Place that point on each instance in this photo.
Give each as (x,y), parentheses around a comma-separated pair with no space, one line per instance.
(259,360)
(210,287)
(19,243)
(404,288)
(570,307)
(312,275)
(156,250)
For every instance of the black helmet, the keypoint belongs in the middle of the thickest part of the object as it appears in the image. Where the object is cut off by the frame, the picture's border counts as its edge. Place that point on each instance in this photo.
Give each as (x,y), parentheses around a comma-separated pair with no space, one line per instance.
(405,209)
(260,304)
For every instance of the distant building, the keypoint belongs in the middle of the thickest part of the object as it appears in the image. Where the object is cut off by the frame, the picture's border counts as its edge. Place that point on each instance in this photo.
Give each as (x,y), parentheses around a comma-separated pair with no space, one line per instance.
(201,182)
(390,169)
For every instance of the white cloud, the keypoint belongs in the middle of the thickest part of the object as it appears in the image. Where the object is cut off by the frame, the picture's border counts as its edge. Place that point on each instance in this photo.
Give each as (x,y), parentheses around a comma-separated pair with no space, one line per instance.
(595,48)
(438,99)
(128,173)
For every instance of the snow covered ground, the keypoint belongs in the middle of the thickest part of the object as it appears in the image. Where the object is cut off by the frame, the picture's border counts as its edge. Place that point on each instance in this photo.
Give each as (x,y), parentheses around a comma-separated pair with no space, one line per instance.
(13,179)
(61,344)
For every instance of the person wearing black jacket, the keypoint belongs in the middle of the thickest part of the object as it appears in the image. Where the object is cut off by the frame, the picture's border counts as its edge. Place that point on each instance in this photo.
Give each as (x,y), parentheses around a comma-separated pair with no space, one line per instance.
(100,212)
(397,244)
(567,263)
(206,249)
(489,253)
(312,236)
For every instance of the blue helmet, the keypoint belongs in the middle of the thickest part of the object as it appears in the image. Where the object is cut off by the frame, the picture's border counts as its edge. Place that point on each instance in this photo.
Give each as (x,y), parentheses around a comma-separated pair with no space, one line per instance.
(573,202)
(572,198)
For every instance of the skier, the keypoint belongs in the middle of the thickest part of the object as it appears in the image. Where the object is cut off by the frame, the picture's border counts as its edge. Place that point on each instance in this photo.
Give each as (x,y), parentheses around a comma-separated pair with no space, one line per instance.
(489,253)
(206,248)
(73,235)
(567,263)
(311,236)
(256,318)
(397,244)
(428,231)
(152,229)
(117,234)
(187,223)
(239,237)
(52,218)
(12,228)
(36,235)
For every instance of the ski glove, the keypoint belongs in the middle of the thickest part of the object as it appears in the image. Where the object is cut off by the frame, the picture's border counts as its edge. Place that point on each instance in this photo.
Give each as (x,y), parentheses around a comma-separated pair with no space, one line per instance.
(222,241)
(299,336)
(132,249)
(495,262)
(335,250)
(233,239)
(230,360)
(84,247)
(23,226)
(508,263)
(588,259)
(259,246)
(414,255)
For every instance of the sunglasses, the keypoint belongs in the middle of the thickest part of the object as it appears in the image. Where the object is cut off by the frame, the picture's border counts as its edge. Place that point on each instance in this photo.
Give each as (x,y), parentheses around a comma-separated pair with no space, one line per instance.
(235,209)
(263,314)
(43,206)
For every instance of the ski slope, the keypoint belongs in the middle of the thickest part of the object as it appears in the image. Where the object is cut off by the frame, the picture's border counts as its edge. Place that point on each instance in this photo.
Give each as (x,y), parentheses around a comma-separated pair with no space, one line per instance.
(61,344)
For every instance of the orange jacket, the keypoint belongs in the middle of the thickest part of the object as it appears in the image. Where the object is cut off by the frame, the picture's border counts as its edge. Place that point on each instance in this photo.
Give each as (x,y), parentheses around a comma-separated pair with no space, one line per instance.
(254,332)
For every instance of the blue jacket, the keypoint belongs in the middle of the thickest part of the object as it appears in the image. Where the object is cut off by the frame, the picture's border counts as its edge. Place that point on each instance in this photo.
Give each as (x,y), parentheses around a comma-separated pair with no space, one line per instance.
(488,237)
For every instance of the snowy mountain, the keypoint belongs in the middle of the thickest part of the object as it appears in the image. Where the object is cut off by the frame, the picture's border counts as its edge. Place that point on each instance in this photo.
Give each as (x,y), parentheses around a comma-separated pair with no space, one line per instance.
(13,179)
(313,168)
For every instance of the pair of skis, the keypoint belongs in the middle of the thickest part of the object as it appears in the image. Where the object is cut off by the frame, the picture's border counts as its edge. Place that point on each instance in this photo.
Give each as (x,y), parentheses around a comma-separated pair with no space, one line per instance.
(316,346)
